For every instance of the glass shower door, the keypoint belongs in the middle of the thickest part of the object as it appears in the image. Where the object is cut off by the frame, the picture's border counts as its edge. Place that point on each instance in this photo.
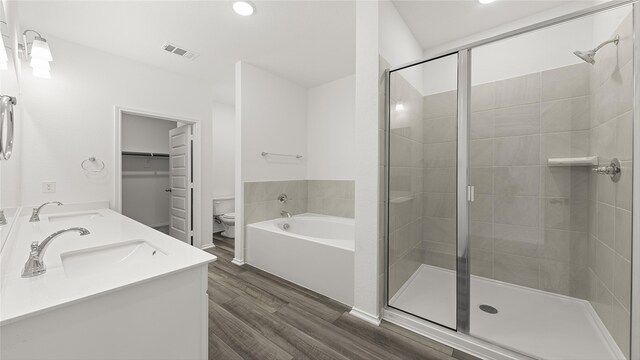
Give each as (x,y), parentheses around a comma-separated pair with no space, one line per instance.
(422,190)
(549,237)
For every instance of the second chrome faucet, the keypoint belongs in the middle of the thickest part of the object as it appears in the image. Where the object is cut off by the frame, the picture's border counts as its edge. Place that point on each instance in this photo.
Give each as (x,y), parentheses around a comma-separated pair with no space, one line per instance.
(35,216)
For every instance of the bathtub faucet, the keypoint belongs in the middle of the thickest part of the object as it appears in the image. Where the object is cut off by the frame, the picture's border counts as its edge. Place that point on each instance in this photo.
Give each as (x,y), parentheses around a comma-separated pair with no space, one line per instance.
(285,213)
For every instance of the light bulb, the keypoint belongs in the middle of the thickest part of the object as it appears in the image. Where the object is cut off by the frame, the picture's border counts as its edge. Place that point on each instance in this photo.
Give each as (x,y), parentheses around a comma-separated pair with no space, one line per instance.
(41,73)
(399,106)
(40,49)
(243,8)
(39,64)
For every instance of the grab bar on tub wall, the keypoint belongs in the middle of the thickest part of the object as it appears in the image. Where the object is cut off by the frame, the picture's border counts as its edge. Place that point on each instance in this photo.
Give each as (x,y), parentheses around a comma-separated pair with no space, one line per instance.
(6,124)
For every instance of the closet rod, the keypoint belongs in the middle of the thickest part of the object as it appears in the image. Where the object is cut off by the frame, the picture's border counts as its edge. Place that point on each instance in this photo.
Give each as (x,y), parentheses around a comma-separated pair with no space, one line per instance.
(133,153)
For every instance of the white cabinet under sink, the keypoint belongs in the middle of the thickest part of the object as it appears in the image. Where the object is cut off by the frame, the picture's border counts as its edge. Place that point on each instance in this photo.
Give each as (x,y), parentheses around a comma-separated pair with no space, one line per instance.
(124,291)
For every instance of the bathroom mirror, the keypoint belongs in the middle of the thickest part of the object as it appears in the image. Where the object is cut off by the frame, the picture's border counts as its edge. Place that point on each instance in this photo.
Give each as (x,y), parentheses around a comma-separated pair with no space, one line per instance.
(9,87)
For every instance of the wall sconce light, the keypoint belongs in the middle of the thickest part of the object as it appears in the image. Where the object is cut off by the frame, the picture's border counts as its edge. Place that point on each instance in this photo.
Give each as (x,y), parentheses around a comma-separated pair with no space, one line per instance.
(38,54)
(399,106)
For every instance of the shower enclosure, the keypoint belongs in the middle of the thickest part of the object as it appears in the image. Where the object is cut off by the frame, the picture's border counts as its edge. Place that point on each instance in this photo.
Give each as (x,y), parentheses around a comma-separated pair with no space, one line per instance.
(509,190)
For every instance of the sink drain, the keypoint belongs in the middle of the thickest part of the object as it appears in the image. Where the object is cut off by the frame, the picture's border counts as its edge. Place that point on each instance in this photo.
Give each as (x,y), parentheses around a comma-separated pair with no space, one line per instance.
(488,309)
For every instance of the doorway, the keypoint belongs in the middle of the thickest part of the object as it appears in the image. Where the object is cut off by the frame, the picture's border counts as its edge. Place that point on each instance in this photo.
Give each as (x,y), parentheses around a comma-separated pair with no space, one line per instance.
(156,182)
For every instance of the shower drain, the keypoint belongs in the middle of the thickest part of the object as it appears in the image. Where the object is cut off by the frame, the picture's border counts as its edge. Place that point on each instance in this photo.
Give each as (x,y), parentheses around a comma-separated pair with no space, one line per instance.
(488,309)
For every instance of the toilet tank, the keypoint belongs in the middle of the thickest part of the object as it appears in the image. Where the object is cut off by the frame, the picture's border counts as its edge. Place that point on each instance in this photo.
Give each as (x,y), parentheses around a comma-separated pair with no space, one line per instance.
(223,205)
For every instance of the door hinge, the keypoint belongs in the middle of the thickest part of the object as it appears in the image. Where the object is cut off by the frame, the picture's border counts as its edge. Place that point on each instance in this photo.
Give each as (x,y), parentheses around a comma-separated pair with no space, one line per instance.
(190,185)
(471,193)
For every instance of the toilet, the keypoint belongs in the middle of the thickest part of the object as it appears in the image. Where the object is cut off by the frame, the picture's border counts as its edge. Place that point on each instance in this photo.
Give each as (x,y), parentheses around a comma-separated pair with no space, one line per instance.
(223,211)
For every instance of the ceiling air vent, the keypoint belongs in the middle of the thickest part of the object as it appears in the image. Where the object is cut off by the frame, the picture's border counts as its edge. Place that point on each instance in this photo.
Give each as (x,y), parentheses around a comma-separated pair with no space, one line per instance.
(179,51)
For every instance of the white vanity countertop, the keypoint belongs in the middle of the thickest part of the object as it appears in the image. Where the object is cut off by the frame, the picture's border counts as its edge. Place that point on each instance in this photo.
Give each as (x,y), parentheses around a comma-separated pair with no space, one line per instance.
(22,297)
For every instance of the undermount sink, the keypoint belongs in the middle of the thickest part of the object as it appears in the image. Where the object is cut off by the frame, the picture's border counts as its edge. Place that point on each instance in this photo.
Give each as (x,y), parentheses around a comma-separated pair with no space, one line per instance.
(108,258)
(77,216)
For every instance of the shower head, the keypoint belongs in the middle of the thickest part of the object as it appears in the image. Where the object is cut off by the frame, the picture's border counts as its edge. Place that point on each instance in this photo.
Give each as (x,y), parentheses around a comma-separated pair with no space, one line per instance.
(590,55)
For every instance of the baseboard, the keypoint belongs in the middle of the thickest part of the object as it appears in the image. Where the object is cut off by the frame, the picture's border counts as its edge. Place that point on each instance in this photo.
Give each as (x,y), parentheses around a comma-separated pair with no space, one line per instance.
(207,246)
(237,262)
(371,319)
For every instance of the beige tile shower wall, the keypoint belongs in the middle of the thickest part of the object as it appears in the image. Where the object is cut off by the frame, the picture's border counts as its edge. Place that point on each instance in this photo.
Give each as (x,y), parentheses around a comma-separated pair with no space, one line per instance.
(331,197)
(261,199)
(405,182)
(529,222)
(438,246)
(610,203)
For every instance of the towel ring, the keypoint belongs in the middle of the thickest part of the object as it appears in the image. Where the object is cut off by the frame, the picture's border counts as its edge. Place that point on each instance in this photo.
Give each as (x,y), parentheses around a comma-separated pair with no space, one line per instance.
(92,160)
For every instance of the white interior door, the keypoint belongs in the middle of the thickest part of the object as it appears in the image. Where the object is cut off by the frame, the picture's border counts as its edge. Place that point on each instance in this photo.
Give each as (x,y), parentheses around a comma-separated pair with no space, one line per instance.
(180,172)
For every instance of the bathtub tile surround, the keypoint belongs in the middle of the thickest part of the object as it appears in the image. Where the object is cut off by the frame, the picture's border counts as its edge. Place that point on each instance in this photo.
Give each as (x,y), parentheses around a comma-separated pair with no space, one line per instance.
(261,199)
(326,197)
(609,254)
(331,197)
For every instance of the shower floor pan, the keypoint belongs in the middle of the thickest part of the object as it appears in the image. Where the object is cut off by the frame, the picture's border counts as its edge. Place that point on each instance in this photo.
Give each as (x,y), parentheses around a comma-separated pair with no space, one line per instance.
(532,322)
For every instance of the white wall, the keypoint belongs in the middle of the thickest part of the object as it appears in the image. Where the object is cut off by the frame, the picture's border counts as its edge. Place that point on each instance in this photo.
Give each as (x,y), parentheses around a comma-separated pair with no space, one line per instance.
(274,112)
(72,116)
(330,130)
(533,52)
(397,43)
(537,51)
(223,150)
(367,265)
(145,134)
(271,117)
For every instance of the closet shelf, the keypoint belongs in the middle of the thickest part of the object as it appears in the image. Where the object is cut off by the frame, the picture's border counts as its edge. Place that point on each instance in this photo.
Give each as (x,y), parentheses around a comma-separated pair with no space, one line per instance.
(145,154)
(574,161)
(145,173)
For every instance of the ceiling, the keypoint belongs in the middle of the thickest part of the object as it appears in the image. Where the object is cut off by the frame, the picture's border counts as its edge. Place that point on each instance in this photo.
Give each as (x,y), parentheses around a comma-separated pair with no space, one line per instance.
(438,22)
(307,42)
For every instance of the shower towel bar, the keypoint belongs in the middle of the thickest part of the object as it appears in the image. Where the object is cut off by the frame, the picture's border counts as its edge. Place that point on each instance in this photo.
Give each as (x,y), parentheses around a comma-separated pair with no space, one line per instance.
(297,156)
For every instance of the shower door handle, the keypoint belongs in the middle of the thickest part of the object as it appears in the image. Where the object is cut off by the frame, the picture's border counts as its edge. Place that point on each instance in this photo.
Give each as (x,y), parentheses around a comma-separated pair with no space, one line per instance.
(471,193)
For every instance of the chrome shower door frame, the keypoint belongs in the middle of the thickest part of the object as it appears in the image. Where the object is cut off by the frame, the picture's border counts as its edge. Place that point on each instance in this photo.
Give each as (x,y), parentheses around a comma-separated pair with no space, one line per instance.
(460,337)
(635,231)
(464,195)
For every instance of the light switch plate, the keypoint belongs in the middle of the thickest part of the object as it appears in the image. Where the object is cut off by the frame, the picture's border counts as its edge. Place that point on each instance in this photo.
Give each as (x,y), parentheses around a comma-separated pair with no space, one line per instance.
(48,187)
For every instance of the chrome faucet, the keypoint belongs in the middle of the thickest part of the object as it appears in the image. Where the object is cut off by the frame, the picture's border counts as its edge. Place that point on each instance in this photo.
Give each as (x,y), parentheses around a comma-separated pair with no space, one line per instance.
(35,216)
(285,213)
(35,263)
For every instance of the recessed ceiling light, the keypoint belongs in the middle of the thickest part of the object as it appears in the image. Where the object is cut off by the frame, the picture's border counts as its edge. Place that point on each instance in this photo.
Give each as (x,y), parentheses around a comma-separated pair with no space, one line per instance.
(486,1)
(244,8)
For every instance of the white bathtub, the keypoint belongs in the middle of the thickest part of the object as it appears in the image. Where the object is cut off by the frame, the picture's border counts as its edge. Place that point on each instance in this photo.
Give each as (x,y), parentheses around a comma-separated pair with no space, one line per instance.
(316,251)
